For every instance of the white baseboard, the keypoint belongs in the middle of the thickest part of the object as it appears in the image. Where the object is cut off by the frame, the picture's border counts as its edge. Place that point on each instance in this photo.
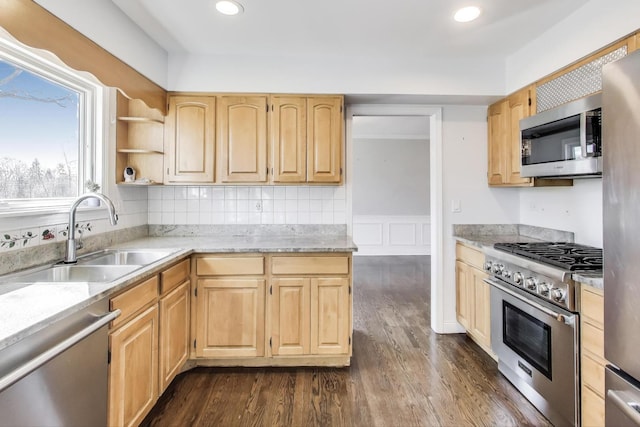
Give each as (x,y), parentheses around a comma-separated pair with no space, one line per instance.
(451,328)
(392,234)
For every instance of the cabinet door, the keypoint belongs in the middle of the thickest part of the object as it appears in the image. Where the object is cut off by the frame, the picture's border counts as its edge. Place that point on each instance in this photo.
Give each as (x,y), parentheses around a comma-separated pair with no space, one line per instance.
(324,139)
(498,124)
(230,318)
(481,313)
(133,372)
(519,108)
(242,137)
(174,333)
(190,139)
(289,138)
(330,315)
(290,316)
(463,296)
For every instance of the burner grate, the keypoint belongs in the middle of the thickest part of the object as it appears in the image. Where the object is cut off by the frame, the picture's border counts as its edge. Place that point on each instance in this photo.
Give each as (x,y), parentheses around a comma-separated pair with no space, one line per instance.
(568,256)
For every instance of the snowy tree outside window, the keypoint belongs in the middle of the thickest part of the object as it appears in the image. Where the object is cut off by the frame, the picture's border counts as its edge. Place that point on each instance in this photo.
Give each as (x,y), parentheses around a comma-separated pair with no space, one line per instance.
(40,143)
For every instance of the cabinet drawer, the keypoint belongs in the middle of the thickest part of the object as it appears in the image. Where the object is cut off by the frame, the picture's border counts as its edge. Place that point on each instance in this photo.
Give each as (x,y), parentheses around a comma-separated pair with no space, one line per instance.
(593,374)
(133,300)
(470,256)
(592,408)
(592,306)
(174,276)
(593,340)
(310,265)
(223,266)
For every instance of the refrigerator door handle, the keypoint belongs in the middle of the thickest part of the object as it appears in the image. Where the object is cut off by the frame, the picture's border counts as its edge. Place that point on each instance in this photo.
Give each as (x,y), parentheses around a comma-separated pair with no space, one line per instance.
(628,405)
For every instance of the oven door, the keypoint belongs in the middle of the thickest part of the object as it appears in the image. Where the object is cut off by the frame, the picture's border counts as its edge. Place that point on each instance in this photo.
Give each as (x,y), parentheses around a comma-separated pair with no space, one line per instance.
(536,345)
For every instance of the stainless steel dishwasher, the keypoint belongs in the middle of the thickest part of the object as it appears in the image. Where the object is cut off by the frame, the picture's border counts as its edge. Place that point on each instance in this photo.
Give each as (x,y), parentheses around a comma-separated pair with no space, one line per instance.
(58,376)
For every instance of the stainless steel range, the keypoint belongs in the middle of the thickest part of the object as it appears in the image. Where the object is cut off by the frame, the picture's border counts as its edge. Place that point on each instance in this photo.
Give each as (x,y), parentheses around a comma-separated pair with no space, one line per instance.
(534,321)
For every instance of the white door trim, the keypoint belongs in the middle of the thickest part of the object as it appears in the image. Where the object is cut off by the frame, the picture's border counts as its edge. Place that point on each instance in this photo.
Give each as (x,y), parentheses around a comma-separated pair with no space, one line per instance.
(434,115)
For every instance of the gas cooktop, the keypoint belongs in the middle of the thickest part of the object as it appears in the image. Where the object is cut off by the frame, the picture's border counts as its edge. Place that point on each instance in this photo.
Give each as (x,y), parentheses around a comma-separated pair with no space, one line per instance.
(568,256)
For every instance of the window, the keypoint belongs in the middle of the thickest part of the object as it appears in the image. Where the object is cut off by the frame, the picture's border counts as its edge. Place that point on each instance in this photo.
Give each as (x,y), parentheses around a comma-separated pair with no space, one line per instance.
(48,131)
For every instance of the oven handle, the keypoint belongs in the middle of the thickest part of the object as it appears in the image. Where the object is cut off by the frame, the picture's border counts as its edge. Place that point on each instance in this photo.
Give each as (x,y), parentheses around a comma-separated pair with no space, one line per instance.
(583,135)
(563,318)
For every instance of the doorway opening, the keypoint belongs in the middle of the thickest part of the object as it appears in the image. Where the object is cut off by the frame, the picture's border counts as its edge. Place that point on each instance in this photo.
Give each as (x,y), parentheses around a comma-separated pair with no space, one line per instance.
(432,117)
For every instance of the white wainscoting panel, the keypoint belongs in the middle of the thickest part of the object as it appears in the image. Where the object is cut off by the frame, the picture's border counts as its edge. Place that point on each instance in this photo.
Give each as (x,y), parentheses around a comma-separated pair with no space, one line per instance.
(392,234)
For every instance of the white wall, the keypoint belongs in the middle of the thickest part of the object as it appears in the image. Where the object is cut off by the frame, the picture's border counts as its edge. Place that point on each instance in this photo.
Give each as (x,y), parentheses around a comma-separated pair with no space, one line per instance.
(577,209)
(594,25)
(356,75)
(104,23)
(390,177)
(464,166)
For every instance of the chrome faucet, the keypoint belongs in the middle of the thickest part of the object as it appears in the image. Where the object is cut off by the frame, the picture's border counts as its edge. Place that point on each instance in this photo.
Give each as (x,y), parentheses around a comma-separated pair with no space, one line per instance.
(72,246)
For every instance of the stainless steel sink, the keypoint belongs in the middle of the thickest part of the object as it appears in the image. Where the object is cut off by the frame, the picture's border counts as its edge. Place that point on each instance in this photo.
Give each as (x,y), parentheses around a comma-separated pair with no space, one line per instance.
(76,273)
(123,257)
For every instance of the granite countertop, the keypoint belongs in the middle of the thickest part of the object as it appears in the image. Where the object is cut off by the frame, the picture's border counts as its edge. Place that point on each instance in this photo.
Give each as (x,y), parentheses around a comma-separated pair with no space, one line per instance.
(28,308)
(485,236)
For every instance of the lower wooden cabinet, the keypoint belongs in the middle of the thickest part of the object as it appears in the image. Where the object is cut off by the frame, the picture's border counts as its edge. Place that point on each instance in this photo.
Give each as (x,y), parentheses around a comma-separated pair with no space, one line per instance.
(310,316)
(133,372)
(290,316)
(148,343)
(592,361)
(473,300)
(272,309)
(174,333)
(230,315)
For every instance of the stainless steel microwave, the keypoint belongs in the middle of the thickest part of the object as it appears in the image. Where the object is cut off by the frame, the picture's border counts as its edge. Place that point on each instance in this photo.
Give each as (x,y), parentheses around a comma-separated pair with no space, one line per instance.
(565,141)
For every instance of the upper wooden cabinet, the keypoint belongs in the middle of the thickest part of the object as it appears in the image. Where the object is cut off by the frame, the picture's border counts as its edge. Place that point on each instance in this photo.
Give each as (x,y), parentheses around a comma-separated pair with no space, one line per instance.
(306,139)
(242,138)
(324,139)
(289,138)
(190,139)
(504,138)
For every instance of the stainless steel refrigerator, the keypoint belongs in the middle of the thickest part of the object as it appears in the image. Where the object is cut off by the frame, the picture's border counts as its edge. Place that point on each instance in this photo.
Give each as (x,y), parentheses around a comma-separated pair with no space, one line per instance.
(621,197)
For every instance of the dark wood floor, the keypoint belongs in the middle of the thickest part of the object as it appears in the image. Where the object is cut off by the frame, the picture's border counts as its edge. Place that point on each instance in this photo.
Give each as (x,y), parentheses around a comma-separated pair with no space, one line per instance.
(402,373)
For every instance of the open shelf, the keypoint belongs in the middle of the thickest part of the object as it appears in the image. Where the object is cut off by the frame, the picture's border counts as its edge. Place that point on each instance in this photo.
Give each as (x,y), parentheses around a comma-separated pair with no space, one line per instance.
(138,151)
(138,184)
(139,120)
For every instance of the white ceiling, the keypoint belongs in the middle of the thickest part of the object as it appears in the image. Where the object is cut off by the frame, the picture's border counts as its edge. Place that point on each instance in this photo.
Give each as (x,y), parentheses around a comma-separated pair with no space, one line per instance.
(369,28)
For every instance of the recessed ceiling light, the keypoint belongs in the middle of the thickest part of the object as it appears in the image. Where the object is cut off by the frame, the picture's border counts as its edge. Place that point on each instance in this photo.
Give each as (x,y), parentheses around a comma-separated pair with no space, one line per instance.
(467,14)
(229,7)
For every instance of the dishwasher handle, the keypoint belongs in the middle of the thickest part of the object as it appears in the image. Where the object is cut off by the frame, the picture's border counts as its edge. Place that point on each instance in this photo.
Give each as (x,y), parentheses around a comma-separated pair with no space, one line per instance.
(44,357)
(626,404)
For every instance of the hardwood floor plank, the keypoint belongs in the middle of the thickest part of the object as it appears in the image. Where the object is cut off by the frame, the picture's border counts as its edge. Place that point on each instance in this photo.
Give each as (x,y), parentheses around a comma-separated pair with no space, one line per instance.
(401,374)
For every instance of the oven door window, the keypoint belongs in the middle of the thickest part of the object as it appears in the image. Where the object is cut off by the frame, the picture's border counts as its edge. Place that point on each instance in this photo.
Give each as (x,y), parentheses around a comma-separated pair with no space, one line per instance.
(529,337)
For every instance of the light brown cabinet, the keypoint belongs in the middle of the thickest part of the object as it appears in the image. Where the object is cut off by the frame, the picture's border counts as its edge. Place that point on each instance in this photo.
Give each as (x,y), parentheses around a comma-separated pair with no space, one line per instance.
(310,305)
(230,316)
(324,139)
(289,138)
(190,139)
(592,361)
(273,309)
(133,371)
(473,301)
(290,316)
(139,140)
(242,138)
(307,138)
(310,316)
(504,138)
(174,322)
(229,306)
(148,343)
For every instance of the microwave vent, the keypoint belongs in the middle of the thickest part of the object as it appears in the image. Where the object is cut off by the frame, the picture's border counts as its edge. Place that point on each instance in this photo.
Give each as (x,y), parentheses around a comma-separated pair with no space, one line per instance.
(575,84)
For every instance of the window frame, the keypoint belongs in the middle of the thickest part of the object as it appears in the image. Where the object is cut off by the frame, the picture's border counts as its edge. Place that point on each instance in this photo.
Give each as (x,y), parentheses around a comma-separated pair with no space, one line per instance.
(91,108)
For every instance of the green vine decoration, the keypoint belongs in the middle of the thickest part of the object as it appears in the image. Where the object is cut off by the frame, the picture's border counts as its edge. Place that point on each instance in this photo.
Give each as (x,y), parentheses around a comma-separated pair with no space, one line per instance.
(10,241)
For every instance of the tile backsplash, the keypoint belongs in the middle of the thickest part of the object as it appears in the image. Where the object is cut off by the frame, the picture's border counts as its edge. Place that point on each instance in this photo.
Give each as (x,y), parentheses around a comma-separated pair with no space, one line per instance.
(247,205)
